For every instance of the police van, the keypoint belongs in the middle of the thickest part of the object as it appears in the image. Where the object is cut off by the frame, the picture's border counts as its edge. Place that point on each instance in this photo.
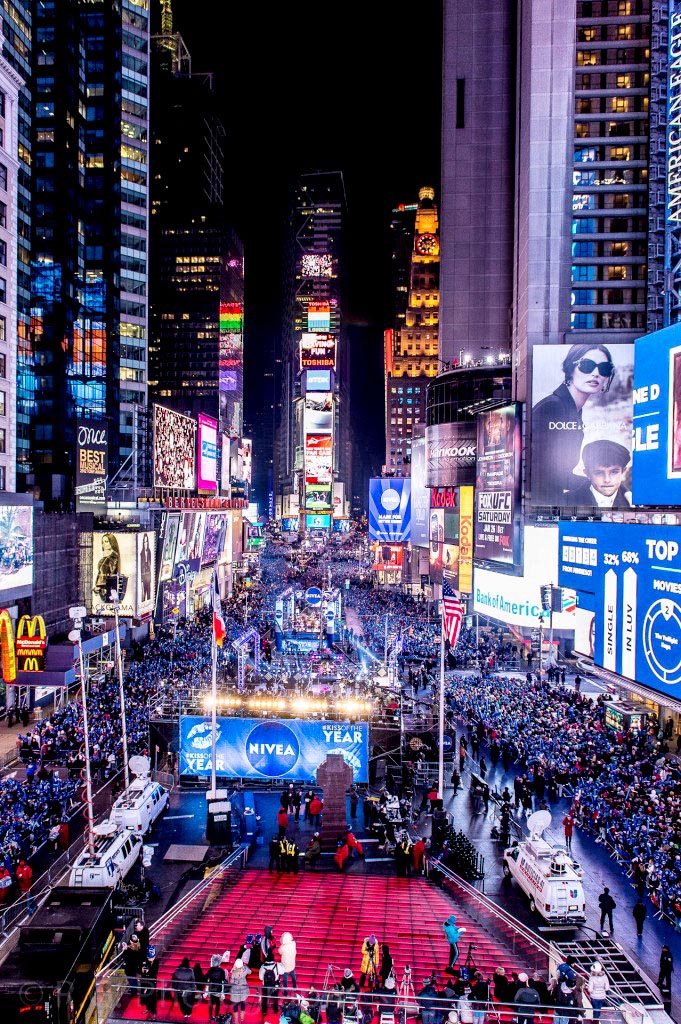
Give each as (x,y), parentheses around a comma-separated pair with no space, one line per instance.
(547,874)
(116,851)
(138,806)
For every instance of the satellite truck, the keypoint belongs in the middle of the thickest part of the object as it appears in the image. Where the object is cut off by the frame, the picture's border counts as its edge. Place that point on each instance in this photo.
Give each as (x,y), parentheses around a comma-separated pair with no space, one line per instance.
(49,975)
(547,874)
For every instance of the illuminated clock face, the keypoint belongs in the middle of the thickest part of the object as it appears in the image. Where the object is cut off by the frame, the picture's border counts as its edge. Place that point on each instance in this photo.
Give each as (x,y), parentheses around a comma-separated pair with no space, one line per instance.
(426,244)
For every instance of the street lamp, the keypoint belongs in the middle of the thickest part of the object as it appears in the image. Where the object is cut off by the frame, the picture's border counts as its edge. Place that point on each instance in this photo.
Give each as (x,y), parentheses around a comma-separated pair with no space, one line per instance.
(541,647)
(77,615)
(119,660)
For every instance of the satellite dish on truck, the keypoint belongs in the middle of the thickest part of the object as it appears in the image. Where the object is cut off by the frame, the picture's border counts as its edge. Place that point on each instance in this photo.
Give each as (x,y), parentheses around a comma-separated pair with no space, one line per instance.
(139,765)
(538,822)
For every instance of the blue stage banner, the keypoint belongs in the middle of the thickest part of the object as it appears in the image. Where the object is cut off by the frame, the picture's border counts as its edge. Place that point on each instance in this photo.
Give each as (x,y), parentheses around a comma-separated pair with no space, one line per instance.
(634,574)
(252,748)
(656,470)
(390,509)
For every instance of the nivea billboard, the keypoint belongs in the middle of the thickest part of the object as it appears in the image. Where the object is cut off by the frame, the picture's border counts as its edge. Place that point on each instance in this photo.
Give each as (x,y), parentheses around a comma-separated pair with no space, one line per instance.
(250,748)
(390,509)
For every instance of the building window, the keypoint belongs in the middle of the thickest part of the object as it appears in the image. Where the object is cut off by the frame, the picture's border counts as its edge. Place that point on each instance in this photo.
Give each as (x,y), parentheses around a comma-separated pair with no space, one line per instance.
(3,403)
(617,273)
(3,215)
(3,290)
(3,479)
(3,333)
(586,57)
(3,252)
(2,104)
(620,105)
(3,177)
(3,366)
(3,441)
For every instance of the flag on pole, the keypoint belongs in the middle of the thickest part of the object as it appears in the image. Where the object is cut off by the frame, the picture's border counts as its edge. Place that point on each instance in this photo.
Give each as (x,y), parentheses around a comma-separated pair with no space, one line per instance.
(452,613)
(219,631)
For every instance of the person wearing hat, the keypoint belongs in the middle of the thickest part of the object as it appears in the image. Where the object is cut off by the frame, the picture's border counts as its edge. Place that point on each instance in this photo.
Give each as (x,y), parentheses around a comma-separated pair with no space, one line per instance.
(216,980)
(314,848)
(452,933)
(287,954)
(526,998)
(597,987)
(605,463)
(349,983)
(184,986)
(427,1000)
(452,1017)
(238,990)
(148,982)
(385,997)
(270,975)
(370,951)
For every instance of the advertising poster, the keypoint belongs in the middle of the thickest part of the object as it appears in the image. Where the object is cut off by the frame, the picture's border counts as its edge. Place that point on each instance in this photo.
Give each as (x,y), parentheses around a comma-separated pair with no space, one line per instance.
(172,528)
(92,454)
(633,573)
(450,454)
(466,504)
(129,559)
(290,524)
(318,521)
(190,536)
(214,537)
(318,458)
(390,509)
(436,546)
(207,454)
(341,526)
(317,350)
(338,500)
(16,547)
(420,494)
(582,418)
(251,748)
(498,482)
(318,497)
(318,380)
(247,456)
(174,450)
(225,477)
(386,557)
(319,413)
(657,419)
(517,599)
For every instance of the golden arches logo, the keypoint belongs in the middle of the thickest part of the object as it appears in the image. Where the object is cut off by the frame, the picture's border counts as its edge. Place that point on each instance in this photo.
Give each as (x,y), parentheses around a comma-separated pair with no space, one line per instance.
(30,627)
(9,660)
(31,643)
(32,665)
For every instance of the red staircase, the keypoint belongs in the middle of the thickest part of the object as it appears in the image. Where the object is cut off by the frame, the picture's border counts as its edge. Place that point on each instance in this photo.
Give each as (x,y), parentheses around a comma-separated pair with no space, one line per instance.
(329,916)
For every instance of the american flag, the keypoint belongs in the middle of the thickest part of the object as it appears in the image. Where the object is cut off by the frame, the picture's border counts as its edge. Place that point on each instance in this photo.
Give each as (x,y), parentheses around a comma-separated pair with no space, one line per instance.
(452,613)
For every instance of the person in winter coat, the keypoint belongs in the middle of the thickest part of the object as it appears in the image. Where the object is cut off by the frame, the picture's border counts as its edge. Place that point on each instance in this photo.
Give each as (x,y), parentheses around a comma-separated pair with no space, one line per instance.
(538,983)
(525,999)
(352,841)
(287,953)
(216,982)
(607,905)
(640,913)
(183,985)
(148,982)
(239,991)
(598,987)
(316,807)
(267,943)
(334,1004)
(341,855)
(282,822)
(384,997)
(387,967)
(349,984)
(369,970)
(480,998)
(270,974)
(132,961)
(501,986)
(5,884)
(427,1000)
(664,978)
(453,933)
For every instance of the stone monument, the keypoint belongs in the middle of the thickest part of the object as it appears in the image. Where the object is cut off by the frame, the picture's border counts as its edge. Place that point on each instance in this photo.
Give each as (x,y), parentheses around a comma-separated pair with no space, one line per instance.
(335,778)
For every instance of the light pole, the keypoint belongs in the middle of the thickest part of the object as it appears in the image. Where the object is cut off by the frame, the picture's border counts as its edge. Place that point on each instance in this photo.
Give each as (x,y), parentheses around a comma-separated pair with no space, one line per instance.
(77,615)
(119,662)
(541,648)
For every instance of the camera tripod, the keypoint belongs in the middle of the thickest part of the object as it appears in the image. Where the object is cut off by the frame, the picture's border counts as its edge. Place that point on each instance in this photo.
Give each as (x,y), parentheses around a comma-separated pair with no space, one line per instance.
(405,1004)
(468,968)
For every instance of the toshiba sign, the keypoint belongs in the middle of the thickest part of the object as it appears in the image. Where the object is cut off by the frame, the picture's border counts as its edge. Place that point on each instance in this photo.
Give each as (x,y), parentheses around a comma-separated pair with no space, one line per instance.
(450,454)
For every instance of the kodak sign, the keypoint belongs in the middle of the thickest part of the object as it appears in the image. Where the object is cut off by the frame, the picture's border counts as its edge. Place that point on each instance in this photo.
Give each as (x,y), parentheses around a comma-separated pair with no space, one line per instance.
(31,642)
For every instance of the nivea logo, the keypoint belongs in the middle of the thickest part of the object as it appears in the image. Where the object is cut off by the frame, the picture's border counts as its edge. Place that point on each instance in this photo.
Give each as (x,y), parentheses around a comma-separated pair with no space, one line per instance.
(390,499)
(272,749)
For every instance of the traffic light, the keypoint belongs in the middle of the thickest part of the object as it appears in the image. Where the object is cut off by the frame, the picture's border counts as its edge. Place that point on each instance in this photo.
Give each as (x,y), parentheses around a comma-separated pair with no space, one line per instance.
(546,597)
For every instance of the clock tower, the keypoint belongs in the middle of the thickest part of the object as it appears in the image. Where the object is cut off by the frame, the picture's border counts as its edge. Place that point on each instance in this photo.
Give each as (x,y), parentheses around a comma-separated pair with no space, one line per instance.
(411,347)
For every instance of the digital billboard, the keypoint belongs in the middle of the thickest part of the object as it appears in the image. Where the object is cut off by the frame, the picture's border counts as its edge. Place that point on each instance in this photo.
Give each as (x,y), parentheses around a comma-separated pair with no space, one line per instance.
(126,561)
(338,500)
(231,367)
(582,417)
(174,450)
(92,455)
(317,350)
(16,548)
(390,509)
(318,380)
(318,458)
(318,413)
(657,418)
(517,599)
(208,454)
(466,501)
(341,526)
(420,494)
(171,530)
(436,543)
(450,454)
(316,264)
(290,524)
(498,483)
(319,316)
(214,537)
(250,748)
(247,458)
(386,557)
(318,520)
(225,475)
(318,497)
(632,571)
(190,536)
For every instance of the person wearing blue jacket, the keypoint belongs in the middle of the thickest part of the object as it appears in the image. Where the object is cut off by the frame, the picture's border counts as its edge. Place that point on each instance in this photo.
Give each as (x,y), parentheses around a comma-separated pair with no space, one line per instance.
(453,934)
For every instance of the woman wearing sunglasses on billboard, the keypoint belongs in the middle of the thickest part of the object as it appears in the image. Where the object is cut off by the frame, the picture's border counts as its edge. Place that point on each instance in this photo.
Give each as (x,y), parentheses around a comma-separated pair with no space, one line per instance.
(557,425)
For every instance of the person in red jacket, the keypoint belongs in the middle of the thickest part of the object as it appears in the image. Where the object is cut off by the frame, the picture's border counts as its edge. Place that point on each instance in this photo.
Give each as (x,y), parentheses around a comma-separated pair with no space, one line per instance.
(24,875)
(5,884)
(352,841)
(419,854)
(341,855)
(282,822)
(316,807)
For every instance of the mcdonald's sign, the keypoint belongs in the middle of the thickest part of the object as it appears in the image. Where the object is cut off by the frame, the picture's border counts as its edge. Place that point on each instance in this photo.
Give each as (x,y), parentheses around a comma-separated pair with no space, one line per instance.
(31,642)
(9,661)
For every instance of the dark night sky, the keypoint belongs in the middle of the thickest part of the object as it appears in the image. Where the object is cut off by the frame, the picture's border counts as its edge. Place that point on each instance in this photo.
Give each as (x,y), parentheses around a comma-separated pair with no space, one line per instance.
(350,86)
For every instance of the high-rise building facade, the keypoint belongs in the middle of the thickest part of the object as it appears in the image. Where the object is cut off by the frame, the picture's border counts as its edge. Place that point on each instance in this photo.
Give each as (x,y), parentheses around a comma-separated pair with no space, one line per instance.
(10,84)
(313,455)
(411,346)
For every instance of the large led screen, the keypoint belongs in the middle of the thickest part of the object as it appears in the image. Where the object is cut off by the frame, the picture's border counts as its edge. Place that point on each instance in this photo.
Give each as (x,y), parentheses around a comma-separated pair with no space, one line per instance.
(318,380)
(420,494)
(450,454)
(657,419)
(318,458)
(386,557)
(190,537)
(172,528)
(208,454)
(214,537)
(390,509)
(582,420)
(174,450)
(497,491)
(317,350)
(250,748)
(632,572)
(92,455)
(16,548)
(319,413)
(126,561)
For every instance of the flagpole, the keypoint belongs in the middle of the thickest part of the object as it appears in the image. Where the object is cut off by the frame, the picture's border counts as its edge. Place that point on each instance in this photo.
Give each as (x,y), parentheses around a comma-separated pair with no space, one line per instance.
(441,759)
(214,699)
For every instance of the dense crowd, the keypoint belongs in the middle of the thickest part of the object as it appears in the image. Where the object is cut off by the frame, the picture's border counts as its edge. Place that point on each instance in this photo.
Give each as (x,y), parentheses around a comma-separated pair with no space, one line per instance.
(625,788)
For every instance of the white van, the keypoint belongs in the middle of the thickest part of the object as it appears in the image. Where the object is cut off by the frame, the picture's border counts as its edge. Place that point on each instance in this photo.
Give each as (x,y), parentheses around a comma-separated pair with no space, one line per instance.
(138,806)
(547,874)
(116,852)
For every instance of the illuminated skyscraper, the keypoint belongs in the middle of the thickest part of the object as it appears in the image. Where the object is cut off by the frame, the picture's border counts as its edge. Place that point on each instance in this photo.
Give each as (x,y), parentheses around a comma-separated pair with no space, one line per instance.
(411,346)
